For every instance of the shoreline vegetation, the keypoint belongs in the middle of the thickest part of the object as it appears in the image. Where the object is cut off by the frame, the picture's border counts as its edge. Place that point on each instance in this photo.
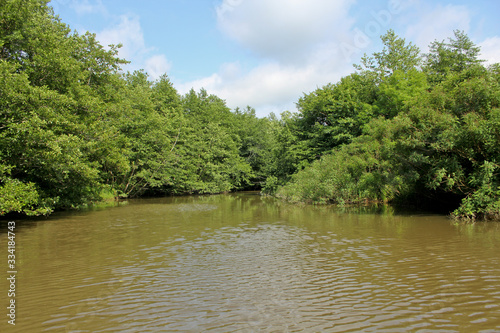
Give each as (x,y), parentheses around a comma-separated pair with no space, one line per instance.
(404,127)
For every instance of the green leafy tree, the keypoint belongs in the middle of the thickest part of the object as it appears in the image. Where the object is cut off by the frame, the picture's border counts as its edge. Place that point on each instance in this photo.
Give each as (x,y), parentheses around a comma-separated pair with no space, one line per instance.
(256,143)
(454,56)
(211,144)
(144,123)
(433,142)
(395,56)
(335,114)
(51,120)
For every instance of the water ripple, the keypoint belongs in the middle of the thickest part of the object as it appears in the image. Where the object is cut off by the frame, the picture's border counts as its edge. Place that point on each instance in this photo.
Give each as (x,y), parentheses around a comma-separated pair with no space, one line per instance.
(273,276)
(200,267)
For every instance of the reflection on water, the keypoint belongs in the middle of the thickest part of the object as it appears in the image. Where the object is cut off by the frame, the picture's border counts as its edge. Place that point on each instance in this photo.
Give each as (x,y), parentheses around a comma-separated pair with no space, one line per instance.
(243,263)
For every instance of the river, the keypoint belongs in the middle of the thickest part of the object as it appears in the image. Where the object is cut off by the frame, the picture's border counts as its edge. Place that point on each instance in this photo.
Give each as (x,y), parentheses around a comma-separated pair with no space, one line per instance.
(245,263)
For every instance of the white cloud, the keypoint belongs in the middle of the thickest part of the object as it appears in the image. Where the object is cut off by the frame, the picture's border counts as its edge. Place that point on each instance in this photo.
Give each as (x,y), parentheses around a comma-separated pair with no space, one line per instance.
(490,50)
(298,44)
(307,44)
(128,32)
(269,87)
(83,7)
(283,29)
(230,71)
(437,24)
(157,65)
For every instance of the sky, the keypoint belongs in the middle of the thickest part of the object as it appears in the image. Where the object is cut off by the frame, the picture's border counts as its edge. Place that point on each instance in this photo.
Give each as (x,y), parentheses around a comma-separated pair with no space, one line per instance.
(268,53)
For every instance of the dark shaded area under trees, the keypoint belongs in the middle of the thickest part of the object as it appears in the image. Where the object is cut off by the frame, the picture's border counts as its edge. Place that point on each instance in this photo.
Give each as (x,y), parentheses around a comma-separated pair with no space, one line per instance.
(404,126)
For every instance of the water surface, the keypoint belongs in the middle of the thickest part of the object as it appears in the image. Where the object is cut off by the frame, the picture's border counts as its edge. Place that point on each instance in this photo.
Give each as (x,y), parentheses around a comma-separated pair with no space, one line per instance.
(244,263)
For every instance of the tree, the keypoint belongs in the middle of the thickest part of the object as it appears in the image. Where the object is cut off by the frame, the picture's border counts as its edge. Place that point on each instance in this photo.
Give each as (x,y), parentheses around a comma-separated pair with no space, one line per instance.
(458,54)
(434,141)
(211,145)
(52,131)
(256,143)
(395,56)
(335,114)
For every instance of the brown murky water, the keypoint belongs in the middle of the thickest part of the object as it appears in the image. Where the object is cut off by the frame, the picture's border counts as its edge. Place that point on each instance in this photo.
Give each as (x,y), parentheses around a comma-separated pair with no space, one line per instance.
(243,263)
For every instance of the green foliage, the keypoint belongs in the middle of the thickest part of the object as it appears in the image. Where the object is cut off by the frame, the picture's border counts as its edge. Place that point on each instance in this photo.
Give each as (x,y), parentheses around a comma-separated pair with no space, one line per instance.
(271,185)
(211,146)
(288,152)
(484,200)
(355,173)
(39,140)
(400,92)
(457,55)
(395,56)
(256,144)
(16,196)
(428,139)
(335,114)
(74,129)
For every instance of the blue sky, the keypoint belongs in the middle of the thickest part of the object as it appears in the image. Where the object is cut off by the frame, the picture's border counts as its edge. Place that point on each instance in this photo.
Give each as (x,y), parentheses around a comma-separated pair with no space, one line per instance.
(268,53)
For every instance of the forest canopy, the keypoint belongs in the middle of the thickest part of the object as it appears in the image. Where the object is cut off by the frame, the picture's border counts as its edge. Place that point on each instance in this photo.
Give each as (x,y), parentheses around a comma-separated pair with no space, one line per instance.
(403,127)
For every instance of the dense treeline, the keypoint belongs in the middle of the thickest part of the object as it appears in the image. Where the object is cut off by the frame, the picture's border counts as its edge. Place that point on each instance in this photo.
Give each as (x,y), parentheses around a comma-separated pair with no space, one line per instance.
(74,130)
(404,127)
